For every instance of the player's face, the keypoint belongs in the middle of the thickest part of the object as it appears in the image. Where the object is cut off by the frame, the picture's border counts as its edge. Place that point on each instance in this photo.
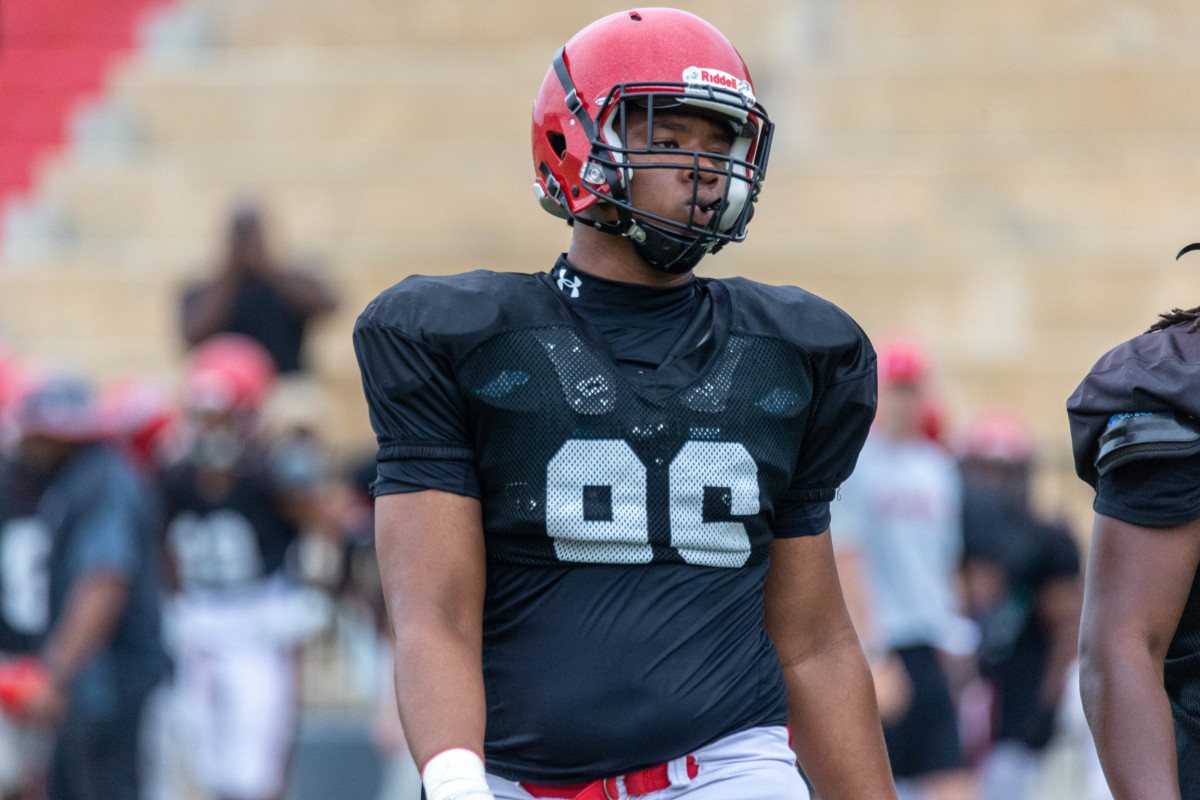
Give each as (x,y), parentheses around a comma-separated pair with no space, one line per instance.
(900,409)
(682,193)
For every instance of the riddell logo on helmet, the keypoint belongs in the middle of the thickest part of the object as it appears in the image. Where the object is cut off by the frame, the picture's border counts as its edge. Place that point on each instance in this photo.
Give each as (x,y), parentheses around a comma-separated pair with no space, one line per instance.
(700,76)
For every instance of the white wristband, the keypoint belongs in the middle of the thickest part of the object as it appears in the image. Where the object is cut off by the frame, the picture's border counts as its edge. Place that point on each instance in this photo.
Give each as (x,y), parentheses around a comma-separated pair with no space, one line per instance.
(456,774)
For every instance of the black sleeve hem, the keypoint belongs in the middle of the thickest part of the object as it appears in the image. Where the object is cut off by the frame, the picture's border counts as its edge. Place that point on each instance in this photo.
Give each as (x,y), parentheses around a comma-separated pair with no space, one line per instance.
(384,486)
(1144,518)
(795,495)
(398,452)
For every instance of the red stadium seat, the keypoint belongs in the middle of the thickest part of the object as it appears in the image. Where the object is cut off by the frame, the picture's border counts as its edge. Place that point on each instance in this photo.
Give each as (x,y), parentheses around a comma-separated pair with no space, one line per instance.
(53,55)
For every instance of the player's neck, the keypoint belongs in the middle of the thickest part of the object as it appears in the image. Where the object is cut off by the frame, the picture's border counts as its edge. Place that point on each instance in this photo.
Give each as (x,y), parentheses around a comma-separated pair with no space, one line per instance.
(613,257)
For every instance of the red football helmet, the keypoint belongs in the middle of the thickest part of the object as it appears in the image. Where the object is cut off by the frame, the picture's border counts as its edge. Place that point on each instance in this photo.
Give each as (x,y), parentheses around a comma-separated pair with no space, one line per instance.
(229,372)
(140,413)
(902,361)
(642,61)
(1001,438)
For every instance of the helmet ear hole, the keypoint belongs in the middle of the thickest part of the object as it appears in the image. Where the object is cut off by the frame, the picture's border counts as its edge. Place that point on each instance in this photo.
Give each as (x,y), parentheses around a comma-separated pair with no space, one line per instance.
(558,143)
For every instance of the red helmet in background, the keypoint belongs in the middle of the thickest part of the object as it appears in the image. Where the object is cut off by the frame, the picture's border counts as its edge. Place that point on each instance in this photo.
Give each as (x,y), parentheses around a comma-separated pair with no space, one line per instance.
(139,411)
(10,378)
(228,372)
(1001,438)
(59,407)
(647,60)
(902,361)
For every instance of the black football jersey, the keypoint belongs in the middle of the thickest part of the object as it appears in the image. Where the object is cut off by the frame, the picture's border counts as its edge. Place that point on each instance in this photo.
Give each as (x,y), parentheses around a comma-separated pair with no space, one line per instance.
(626,513)
(1153,373)
(25,544)
(224,543)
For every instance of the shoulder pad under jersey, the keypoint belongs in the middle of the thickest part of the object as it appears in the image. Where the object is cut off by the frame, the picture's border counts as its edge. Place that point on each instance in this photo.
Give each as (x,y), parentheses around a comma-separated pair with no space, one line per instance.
(1143,436)
(793,314)
(455,310)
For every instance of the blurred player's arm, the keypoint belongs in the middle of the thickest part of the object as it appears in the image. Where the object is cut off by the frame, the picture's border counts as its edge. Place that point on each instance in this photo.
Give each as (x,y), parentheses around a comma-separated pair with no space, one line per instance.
(831,700)
(92,609)
(851,573)
(893,688)
(89,617)
(1058,608)
(1138,580)
(432,561)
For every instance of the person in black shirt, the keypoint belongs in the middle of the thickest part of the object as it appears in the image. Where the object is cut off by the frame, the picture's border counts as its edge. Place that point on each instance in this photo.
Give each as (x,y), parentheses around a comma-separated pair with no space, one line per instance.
(102,653)
(1136,438)
(1022,583)
(234,512)
(256,296)
(603,492)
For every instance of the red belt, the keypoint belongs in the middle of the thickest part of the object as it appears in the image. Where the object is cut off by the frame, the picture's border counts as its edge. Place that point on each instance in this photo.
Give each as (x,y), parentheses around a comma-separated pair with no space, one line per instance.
(644,781)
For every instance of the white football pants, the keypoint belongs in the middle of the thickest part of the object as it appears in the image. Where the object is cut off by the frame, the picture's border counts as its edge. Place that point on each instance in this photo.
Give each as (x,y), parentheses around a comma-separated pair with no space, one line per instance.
(755,764)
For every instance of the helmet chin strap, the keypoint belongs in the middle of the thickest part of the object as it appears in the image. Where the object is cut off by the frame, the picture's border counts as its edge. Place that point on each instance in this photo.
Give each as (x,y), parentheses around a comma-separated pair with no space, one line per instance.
(668,252)
(672,253)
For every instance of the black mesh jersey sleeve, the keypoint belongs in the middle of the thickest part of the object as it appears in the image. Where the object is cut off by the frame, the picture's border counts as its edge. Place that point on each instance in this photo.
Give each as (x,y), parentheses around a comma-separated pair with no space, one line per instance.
(1158,493)
(416,407)
(837,428)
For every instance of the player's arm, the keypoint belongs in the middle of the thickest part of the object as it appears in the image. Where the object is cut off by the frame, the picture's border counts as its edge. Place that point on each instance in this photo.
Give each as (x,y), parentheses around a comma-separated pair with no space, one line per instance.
(1138,581)
(1057,606)
(432,561)
(831,700)
(90,614)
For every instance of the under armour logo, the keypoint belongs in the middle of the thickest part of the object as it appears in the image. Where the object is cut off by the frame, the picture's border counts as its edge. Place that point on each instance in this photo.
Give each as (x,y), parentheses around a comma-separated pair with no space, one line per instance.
(565,283)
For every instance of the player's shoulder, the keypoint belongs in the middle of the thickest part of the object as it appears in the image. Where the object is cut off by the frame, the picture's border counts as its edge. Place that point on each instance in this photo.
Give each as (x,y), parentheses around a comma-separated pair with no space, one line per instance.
(796,315)
(1158,371)
(1141,392)
(788,312)
(1173,345)
(98,471)
(460,303)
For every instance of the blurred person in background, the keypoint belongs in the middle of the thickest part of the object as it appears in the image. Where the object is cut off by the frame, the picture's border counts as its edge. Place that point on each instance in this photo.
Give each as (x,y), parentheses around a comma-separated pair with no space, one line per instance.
(102,654)
(234,509)
(255,295)
(24,614)
(1135,431)
(1021,577)
(897,532)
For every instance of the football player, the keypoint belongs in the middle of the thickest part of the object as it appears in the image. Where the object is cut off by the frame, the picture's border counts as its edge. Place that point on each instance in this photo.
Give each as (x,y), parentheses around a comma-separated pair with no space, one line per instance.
(898,524)
(102,654)
(24,615)
(1022,584)
(233,511)
(1136,438)
(602,493)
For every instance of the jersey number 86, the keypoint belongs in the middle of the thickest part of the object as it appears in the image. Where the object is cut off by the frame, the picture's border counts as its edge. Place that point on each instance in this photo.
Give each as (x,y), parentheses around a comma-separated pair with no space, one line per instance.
(611,466)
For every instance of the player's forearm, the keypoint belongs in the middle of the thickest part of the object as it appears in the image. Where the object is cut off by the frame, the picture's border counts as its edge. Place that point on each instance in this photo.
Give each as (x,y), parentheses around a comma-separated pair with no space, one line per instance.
(835,724)
(1063,651)
(90,615)
(1130,717)
(439,688)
